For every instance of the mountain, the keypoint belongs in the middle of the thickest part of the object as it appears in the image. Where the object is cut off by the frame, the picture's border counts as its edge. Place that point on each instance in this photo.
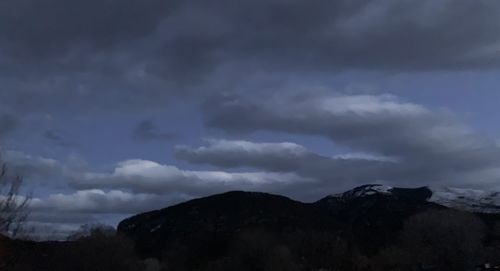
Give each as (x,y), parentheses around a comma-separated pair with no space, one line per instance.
(471,200)
(210,223)
(477,201)
(371,214)
(258,231)
(375,213)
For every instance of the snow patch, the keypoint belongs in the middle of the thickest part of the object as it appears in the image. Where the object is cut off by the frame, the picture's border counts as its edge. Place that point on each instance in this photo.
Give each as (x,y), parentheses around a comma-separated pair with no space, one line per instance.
(471,200)
(467,199)
(367,190)
(156,228)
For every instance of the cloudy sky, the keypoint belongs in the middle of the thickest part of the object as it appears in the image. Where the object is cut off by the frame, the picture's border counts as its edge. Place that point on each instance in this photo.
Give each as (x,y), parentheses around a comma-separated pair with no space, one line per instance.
(109,108)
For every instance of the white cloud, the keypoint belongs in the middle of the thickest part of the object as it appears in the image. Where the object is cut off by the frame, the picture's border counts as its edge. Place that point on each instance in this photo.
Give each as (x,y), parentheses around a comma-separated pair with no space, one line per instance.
(365,156)
(57,215)
(280,156)
(366,105)
(145,176)
(429,146)
(29,165)
(97,201)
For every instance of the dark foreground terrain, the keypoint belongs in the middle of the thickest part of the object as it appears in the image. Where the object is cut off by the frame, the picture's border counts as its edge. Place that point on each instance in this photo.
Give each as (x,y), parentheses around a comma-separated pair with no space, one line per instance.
(362,229)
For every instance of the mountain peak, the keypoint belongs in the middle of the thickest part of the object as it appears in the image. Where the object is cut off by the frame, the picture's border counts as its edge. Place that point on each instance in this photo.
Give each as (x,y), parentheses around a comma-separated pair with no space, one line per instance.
(366,190)
(472,200)
(420,193)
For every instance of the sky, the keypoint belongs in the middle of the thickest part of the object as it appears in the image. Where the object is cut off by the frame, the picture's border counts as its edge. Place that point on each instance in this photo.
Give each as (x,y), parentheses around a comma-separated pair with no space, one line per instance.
(111,108)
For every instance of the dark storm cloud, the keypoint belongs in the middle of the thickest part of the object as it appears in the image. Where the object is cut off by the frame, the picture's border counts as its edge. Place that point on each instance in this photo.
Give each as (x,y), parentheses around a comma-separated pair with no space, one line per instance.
(364,34)
(53,28)
(58,138)
(143,53)
(58,57)
(148,131)
(7,124)
(339,35)
(84,55)
(52,135)
(430,146)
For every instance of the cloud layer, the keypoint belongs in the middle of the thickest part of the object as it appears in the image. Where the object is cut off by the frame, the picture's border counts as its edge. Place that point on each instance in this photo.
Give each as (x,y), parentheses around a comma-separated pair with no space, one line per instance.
(147,131)
(388,140)
(429,145)
(142,176)
(118,55)
(363,34)
(7,124)
(91,64)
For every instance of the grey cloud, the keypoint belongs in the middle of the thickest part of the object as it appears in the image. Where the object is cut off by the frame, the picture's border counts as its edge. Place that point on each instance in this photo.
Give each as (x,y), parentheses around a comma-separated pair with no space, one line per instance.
(147,131)
(133,186)
(331,174)
(58,138)
(96,201)
(142,176)
(230,154)
(52,135)
(42,231)
(137,54)
(58,226)
(26,165)
(386,34)
(7,124)
(39,170)
(57,215)
(275,157)
(430,146)
(55,27)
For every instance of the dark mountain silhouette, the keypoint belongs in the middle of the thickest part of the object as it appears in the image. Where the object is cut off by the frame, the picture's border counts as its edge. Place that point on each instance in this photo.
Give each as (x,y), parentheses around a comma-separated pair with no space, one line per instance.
(209,224)
(260,231)
(373,217)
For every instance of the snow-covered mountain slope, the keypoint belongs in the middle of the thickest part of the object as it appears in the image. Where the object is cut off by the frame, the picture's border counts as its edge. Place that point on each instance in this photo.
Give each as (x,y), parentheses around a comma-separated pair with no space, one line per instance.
(462,199)
(467,199)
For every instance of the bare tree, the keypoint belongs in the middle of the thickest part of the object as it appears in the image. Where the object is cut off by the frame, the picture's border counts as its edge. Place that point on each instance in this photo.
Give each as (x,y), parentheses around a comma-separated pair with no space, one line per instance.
(13,206)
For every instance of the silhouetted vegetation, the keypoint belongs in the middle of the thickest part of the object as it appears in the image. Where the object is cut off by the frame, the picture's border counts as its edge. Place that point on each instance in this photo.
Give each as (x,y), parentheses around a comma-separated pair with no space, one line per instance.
(13,206)
(437,240)
(98,251)
(431,239)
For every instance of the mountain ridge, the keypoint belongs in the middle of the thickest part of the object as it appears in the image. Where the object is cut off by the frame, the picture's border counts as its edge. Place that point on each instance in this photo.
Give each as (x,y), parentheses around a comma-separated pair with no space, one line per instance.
(373,213)
(472,200)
